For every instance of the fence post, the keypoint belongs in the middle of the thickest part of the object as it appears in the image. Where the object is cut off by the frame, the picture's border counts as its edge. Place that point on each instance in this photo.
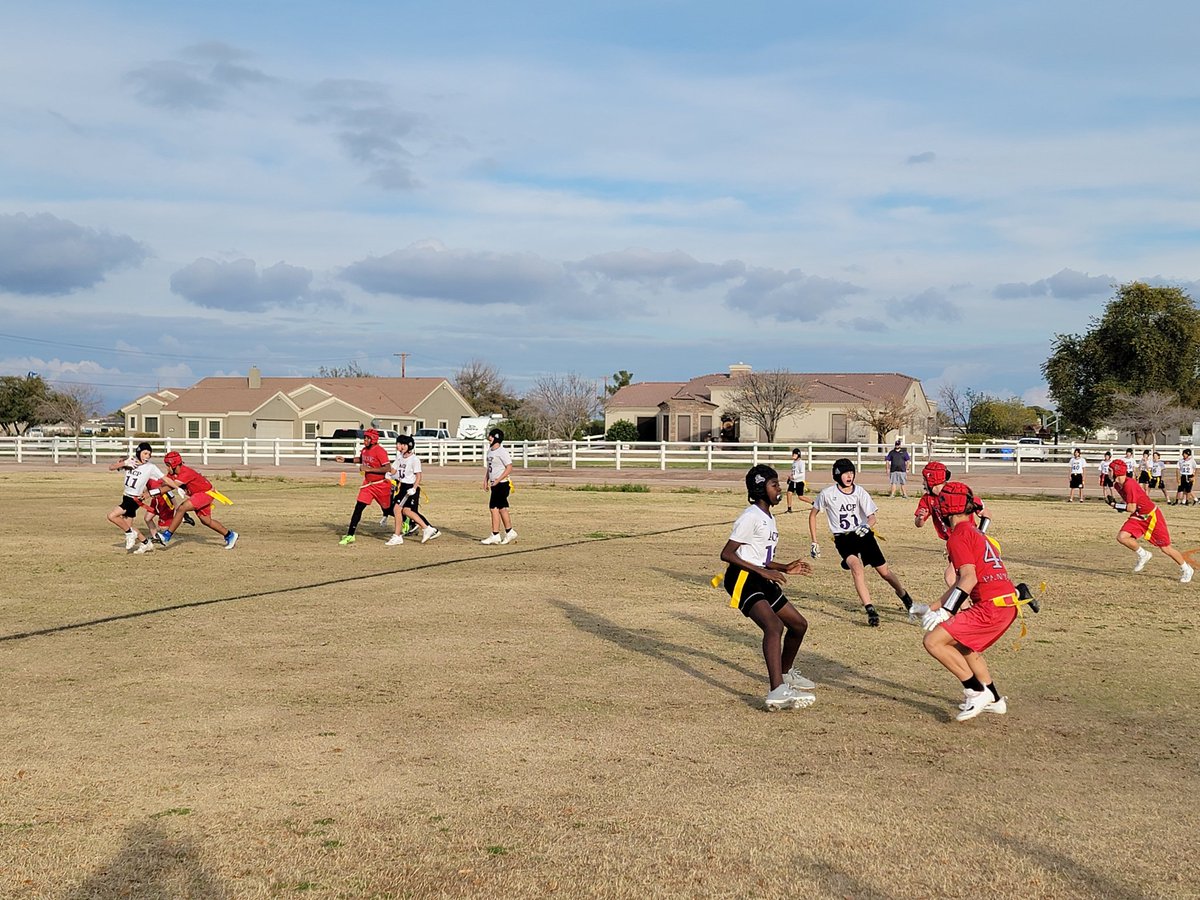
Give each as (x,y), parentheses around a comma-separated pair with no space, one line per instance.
(710,448)
(858,459)
(754,455)
(93,451)
(317,452)
(524,455)
(54,449)
(618,456)
(662,455)
(1017,453)
(573,465)
(966,458)
(277,451)
(21,446)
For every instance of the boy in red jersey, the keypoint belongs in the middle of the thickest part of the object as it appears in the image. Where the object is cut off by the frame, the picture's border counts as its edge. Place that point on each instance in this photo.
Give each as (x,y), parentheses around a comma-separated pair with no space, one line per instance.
(1145,520)
(958,643)
(374,463)
(158,513)
(199,500)
(935,475)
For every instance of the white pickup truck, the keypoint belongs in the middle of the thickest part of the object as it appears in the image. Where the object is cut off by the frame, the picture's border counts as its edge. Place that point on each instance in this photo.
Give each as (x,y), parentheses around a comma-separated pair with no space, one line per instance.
(1031,448)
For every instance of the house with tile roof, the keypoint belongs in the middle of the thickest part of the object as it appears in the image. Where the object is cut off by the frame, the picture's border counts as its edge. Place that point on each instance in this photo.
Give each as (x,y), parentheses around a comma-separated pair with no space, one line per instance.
(698,409)
(295,408)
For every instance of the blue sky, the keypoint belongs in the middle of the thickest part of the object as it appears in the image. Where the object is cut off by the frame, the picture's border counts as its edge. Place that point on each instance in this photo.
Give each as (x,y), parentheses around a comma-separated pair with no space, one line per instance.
(663,187)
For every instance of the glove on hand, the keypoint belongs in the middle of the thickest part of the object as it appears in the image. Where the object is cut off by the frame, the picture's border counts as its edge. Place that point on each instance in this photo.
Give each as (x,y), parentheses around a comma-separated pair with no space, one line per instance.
(410,492)
(933,618)
(862,530)
(917,611)
(814,551)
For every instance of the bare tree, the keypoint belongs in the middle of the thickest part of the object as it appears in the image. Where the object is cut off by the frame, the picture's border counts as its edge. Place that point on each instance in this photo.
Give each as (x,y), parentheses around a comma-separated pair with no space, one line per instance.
(766,398)
(1149,415)
(883,415)
(350,370)
(73,405)
(562,404)
(481,385)
(954,406)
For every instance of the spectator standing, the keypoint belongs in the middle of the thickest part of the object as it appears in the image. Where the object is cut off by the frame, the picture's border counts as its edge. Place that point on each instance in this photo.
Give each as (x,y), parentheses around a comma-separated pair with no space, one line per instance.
(897,460)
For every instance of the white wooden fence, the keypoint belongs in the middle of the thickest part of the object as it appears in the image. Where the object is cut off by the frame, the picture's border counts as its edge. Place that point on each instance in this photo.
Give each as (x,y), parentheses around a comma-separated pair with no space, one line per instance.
(660,455)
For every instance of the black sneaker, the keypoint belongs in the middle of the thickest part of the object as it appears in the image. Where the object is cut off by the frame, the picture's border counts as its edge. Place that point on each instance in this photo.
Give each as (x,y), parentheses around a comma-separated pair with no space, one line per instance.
(188,520)
(872,616)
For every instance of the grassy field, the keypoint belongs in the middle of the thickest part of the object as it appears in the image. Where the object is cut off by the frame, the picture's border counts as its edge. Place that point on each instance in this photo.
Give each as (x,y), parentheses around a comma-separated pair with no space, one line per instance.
(576,714)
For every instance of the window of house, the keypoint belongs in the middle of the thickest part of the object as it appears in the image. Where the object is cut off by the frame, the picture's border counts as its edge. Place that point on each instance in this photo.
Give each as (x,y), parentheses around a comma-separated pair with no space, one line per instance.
(133,423)
(312,430)
(420,424)
(444,423)
(151,424)
(214,429)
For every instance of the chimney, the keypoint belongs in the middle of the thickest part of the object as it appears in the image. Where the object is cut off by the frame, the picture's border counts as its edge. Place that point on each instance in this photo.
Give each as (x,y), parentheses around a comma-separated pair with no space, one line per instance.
(739,369)
(255,378)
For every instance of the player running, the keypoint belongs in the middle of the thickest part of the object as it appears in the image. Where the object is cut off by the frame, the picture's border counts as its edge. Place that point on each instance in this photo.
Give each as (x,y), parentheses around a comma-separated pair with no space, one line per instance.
(958,643)
(754,581)
(851,515)
(374,463)
(406,472)
(138,471)
(1145,520)
(199,500)
(935,475)
(795,483)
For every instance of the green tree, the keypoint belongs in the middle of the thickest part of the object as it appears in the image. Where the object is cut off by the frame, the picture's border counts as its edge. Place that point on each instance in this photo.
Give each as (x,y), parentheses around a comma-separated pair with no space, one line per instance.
(1148,339)
(1000,418)
(21,401)
(621,430)
(620,379)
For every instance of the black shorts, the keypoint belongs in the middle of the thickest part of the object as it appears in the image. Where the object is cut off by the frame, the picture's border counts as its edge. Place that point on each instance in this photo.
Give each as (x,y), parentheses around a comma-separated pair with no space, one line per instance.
(129,507)
(402,499)
(1185,484)
(865,548)
(1143,478)
(499,497)
(1076,481)
(1106,481)
(796,487)
(745,588)
(1157,481)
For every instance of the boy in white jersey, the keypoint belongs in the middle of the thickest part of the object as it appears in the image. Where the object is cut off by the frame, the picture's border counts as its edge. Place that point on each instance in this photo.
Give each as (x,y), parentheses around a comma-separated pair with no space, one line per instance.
(138,470)
(851,514)
(795,483)
(406,498)
(1157,480)
(1077,466)
(1187,470)
(1106,481)
(754,581)
(1130,464)
(497,468)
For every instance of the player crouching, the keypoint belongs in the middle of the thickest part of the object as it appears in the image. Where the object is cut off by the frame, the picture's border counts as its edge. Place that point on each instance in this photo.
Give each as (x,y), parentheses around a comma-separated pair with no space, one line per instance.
(957,638)
(754,582)
(1145,520)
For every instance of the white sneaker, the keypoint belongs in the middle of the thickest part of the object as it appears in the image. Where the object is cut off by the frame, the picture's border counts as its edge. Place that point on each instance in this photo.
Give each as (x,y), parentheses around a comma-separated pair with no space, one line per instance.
(973,704)
(1143,557)
(144,547)
(130,539)
(394,540)
(797,681)
(999,707)
(491,539)
(787,697)
(509,536)
(428,534)
(1187,571)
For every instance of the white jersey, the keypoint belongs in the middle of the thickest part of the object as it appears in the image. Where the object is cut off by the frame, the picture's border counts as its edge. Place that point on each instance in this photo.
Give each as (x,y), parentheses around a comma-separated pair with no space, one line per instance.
(1156,468)
(1144,465)
(797,470)
(497,461)
(845,512)
(405,469)
(136,478)
(1187,467)
(1130,464)
(1077,464)
(758,535)
(1105,467)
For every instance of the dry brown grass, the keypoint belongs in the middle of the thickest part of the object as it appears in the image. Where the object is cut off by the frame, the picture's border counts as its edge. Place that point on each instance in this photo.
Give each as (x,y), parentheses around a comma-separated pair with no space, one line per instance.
(577,714)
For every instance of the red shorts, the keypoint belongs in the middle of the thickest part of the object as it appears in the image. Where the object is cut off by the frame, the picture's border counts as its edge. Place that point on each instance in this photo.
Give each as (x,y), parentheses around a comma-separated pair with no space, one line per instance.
(1153,529)
(378,491)
(981,625)
(202,503)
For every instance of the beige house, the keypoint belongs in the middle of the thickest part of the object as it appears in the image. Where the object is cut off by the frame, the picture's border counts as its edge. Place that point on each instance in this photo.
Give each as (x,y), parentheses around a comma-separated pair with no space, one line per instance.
(295,408)
(696,410)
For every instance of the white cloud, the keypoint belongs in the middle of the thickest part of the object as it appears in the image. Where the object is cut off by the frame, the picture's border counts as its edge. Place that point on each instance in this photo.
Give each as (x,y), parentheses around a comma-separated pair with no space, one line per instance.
(43,254)
(238,285)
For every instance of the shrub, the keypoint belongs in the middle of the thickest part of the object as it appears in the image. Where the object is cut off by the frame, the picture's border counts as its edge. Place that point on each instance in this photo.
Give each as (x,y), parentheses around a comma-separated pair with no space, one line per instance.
(622,430)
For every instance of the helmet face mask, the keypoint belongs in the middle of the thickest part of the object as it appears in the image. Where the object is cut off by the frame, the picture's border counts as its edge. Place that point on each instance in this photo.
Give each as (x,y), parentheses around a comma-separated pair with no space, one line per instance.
(842,467)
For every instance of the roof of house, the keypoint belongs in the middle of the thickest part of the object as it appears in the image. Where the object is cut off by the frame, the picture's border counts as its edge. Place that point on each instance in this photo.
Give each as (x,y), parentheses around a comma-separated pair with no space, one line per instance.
(827,387)
(379,396)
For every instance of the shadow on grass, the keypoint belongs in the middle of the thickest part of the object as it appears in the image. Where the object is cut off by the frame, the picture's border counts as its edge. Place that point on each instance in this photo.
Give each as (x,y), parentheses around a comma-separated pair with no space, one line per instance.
(678,656)
(1088,880)
(495,553)
(152,863)
(831,673)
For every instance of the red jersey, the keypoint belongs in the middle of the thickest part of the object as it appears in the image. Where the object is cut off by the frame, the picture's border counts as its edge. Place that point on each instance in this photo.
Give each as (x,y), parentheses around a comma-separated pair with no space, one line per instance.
(1135,498)
(193,482)
(927,509)
(374,456)
(968,546)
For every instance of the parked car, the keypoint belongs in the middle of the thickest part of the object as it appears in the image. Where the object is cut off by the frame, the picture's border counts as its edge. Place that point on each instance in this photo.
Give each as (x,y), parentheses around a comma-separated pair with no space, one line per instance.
(432,434)
(1032,448)
(344,440)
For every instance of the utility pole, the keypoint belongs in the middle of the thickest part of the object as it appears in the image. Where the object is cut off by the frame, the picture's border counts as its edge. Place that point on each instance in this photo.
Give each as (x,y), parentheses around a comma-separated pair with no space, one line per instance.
(403,359)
